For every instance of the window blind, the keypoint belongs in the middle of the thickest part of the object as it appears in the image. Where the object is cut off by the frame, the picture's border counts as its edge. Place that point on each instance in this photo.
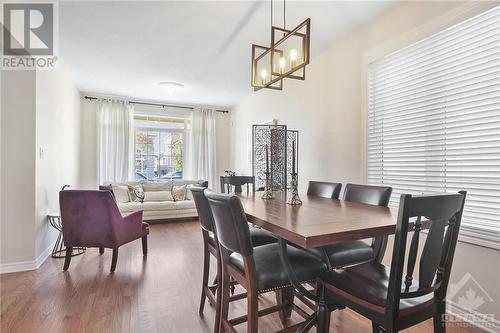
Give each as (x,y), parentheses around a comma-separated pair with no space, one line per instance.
(434,118)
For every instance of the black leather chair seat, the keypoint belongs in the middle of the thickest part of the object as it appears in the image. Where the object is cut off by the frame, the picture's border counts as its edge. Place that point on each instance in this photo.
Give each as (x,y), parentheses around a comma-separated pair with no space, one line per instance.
(345,254)
(271,274)
(259,237)
(369,282)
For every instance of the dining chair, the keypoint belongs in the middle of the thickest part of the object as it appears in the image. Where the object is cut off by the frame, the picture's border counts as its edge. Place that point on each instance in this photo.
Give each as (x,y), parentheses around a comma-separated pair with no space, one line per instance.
(92,219)
(380,293)
(210,247)
(353,252)
(324,189)
(257,269)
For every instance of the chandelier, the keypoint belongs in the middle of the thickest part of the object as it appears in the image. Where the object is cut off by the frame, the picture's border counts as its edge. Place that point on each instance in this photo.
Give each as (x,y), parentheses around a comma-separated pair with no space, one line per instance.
(287,57)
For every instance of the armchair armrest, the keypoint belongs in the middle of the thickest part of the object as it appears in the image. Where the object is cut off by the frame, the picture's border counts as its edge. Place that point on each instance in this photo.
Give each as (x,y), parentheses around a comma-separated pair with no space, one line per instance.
(134,216)
(129,227)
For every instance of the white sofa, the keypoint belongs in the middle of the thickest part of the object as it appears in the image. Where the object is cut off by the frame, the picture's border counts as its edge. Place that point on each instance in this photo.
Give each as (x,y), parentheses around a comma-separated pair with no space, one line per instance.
(157,210)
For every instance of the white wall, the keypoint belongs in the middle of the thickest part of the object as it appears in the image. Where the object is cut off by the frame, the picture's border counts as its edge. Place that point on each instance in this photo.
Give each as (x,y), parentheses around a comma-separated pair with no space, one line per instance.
(58,136)
(40,111)
(328,110)
(18,169)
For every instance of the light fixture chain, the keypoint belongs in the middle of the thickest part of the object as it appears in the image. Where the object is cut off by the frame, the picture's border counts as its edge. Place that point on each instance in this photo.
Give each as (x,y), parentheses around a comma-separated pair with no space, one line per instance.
(284,14)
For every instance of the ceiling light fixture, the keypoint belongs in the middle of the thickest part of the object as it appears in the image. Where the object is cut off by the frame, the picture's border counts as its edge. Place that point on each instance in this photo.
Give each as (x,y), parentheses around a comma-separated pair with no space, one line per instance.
(287,57)
(170,86)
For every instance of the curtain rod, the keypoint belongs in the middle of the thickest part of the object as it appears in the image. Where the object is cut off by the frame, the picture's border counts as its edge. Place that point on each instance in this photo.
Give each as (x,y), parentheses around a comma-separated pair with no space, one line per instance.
(90,98)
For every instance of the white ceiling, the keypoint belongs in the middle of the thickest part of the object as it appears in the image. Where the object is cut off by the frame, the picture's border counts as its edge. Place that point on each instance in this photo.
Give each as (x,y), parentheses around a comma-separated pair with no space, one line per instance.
(126,48)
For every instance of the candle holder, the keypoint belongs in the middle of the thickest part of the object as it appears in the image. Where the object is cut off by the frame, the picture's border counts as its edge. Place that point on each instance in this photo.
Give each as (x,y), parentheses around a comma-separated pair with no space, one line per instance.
(268,189)
(294,199)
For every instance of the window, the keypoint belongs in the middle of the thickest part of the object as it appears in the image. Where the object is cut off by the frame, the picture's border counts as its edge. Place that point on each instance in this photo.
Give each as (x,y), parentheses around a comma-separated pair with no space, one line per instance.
(434,119)
(159,147)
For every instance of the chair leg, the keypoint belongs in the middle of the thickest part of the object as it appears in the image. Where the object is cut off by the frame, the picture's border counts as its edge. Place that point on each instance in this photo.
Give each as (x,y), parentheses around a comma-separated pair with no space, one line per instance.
(285,297)
(218,296)
(144,245)
(114,259)
(225,300)
(101,250)
(67,261)
(253,312)
(206,270)
(439,318)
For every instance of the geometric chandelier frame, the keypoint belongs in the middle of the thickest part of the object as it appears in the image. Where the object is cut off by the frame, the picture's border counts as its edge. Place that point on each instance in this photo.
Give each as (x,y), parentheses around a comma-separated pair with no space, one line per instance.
(287,57)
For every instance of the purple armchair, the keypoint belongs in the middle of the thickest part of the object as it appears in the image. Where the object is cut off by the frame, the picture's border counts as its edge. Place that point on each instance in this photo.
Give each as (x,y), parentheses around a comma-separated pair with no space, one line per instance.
(92,219)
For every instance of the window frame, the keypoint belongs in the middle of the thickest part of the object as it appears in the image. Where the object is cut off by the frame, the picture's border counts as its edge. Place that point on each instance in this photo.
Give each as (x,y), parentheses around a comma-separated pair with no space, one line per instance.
(153,129)
(468,234)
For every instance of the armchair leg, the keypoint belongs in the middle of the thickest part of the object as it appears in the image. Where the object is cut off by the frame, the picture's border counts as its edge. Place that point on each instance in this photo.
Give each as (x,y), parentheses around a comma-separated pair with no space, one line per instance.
(101,250)
(114,259)
(69,252)
(144,245)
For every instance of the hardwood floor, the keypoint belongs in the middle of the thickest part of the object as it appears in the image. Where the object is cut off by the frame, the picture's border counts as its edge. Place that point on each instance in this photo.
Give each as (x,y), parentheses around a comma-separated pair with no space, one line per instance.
(159,293)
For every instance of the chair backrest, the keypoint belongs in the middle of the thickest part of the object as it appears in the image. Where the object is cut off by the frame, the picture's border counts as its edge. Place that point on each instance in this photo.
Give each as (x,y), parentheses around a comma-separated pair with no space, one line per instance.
(201,202)
(88,217)
(324,189)
(444,213)
(230,222)
(368,194)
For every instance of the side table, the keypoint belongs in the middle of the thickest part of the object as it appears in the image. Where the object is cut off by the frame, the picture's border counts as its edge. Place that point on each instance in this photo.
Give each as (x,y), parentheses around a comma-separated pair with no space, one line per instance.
(59,250)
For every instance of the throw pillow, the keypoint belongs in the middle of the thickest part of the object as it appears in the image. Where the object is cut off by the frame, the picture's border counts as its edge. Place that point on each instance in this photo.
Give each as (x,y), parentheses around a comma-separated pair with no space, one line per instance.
(189,195)
(136,193)
(179,192)
(158,196)
(121,193)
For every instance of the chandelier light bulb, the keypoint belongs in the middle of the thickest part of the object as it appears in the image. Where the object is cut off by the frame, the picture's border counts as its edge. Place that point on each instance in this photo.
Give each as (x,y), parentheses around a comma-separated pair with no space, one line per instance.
(282,64)
(263,74)
(293,57)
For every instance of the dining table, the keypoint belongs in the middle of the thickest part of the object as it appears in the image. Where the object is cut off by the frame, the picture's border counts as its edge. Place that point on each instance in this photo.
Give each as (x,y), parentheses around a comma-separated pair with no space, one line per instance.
(317,222)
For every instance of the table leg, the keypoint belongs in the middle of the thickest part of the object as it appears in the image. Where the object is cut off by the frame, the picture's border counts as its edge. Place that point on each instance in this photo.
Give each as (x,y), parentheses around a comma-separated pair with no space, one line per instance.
(312,320)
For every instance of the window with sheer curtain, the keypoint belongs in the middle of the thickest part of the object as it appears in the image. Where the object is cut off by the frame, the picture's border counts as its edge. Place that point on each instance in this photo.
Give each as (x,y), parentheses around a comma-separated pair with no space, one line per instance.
(434,120)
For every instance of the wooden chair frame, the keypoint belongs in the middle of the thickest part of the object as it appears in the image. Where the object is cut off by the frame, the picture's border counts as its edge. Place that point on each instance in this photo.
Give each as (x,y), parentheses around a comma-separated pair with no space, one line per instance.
(434,270)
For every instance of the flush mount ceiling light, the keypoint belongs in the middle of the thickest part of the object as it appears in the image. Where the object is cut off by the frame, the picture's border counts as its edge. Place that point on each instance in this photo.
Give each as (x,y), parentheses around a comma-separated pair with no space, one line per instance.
(287,56)
(170,86)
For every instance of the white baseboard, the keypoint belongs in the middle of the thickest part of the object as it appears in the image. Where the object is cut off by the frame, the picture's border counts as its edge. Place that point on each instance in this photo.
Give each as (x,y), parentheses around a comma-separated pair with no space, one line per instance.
(473,317)
(43,256)
(30,265)
(20,266)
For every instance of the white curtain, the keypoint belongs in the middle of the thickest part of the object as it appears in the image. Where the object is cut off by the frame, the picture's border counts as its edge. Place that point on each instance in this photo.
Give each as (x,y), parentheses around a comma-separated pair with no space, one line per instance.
(114,141)
(201,162)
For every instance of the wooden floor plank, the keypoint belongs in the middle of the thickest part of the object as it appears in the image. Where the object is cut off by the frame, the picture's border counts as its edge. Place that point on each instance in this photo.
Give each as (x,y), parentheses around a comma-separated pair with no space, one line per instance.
(159,293)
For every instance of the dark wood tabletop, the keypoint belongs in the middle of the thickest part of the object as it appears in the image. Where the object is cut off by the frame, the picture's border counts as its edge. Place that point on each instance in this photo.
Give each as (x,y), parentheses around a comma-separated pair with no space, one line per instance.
(319,221)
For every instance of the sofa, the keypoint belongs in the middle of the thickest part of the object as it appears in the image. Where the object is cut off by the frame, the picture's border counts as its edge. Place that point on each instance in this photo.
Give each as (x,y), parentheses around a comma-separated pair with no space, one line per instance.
(160,200)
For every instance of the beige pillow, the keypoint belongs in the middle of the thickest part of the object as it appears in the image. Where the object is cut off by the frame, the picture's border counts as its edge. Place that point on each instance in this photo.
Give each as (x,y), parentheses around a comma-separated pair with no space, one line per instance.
(121,193)
(179,192)
(189,194)
(158,196)
(163,186)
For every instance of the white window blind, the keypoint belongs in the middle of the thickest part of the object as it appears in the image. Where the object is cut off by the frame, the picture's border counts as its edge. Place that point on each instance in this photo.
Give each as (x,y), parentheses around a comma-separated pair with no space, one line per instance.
(434,119)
